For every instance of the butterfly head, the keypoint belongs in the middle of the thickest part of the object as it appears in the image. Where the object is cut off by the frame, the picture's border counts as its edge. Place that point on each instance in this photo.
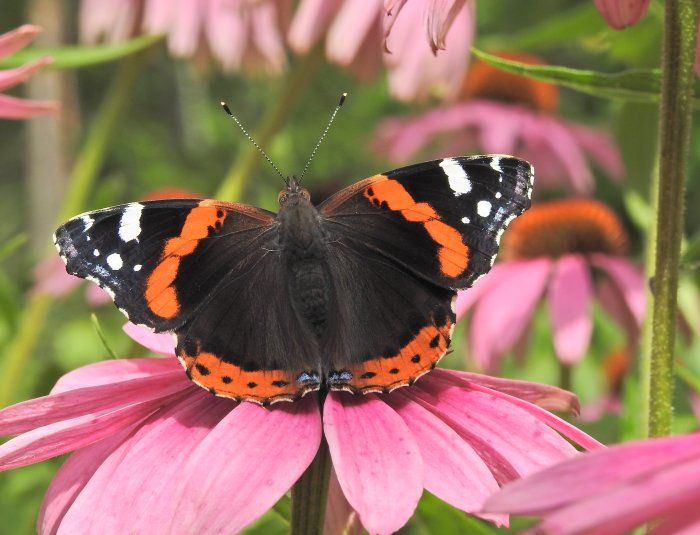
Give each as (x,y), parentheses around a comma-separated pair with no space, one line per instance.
(293,194)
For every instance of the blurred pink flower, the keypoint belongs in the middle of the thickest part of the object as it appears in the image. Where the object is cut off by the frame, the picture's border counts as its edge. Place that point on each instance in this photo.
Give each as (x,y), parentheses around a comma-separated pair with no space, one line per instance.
(505,114)
(50,278)
(361,35)
(150,442)
(622,13)
(613,491)
(13,107)
(241,34)
(556,247)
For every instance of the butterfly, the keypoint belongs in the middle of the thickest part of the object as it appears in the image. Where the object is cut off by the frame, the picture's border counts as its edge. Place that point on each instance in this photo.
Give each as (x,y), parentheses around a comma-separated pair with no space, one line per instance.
(355,294)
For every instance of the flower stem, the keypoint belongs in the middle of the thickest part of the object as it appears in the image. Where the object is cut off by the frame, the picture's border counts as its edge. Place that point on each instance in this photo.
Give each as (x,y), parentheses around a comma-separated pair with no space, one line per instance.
(240,173)
(87,166)
(680,23)
(309,495)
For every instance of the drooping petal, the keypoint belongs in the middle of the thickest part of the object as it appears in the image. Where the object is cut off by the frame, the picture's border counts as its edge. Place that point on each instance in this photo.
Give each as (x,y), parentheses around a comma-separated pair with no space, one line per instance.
(70,434)
(523,439)
(467,298)
(613,302)
(454,472)
(619,14)
(351,25)
(115,371)
(310,21)
(14,40)
(152,458)
(12,77)
(564,147)
(376,458)
(548,397)
(502,314)
(266,38)
(71,478)
(19,108)
(258,453)
(162,343)
(570,293)
(628,279)
(439,16)
(340,517)
(227,33)
(87,401)
(601,148)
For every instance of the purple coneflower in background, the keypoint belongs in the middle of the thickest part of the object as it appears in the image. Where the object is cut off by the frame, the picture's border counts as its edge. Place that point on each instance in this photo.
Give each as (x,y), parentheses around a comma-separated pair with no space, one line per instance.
(613,491)
(622,13)
(241,34)
(155,453)
(503,113)
(424,45)
(573,250)
(13,107)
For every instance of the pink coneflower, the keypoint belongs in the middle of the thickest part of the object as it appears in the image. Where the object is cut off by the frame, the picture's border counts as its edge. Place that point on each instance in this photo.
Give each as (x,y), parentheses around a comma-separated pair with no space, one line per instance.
(155,453)
(363,35)
(572,250)
(241,34)
(613,491)
(622,13)
(13,107)
(503,113)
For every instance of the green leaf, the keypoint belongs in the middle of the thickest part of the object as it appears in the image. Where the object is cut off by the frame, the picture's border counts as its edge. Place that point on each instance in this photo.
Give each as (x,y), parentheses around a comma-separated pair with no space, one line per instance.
(638,85)
(73,57)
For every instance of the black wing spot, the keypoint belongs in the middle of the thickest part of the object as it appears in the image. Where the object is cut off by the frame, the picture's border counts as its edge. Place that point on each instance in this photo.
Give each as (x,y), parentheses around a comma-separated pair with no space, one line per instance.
(202,369)
(370,192)
(226,379)
(219,213)
(415,358)
(435,341)
(252,384)
(394,371)
(279,384)
(367,375)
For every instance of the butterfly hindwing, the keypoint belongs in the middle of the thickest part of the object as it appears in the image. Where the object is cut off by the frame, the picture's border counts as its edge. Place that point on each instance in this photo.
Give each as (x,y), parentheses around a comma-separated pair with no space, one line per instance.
(441,219)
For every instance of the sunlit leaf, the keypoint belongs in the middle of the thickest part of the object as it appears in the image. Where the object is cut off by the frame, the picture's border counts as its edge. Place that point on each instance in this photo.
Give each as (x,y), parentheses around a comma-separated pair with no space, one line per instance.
(72,57)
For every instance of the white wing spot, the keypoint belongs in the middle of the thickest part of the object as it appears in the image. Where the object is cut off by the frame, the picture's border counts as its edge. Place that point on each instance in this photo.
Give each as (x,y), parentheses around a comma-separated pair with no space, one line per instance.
(496,164)
(130,223)
(96,252)
(87,221)
(456,176)
(483,208)
(115,261)
(466,220)
(498,195)
(137,267)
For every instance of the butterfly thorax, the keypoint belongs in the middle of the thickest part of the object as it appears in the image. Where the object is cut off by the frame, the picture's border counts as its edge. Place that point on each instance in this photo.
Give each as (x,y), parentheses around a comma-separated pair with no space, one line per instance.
(303,244)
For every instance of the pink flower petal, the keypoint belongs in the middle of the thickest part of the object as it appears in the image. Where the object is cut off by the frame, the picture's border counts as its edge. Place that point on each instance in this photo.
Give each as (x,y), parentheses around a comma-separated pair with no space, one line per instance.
(12,77)
(38,412)
(70,434)
(601,148)
(550,398)
(613,302)
(340,516)
(114,371)
(466,299)
(603,470)
(376,458)
(439,16)
(72,478)
(563,146)
(628,279)
(50,278)
(493,417)
(19,108)
(162,343)
(569,308)
(622,14)
(152,458)
(14,40)
(96,296)
(454,472)
(351,25)
(502,314)
(311,19)
(266,38)
(258,454)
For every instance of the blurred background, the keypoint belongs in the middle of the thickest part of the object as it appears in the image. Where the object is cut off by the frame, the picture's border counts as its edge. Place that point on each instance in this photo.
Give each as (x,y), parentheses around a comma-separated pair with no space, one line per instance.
(129,109)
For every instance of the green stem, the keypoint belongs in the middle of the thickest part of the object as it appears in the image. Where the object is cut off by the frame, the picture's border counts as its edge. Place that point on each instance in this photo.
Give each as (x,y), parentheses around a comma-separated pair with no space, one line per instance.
(240,173)
(565,376)
(680,23)
(86,169)
(310,493)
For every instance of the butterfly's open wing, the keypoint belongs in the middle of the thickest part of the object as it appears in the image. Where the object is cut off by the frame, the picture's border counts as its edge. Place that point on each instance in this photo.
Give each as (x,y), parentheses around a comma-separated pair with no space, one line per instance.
(401,243)
(441,219)
(175,265)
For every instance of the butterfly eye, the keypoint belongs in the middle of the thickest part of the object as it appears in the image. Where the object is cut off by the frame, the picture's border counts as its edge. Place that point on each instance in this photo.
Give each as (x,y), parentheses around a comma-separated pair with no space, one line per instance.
(282,197)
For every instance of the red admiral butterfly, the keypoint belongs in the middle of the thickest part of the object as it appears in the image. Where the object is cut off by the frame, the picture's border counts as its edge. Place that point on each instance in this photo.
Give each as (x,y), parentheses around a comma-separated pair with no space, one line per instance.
(356,294)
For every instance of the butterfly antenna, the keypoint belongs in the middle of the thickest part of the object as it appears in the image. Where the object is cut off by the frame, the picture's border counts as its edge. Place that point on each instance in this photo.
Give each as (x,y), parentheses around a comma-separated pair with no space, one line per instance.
(250,138)
(323,135)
